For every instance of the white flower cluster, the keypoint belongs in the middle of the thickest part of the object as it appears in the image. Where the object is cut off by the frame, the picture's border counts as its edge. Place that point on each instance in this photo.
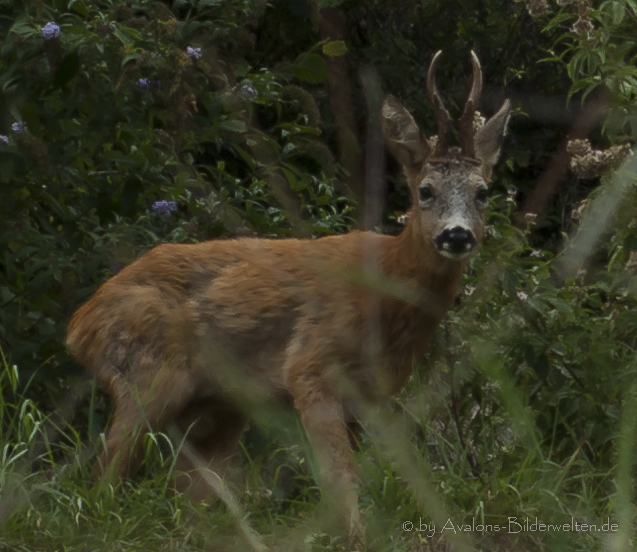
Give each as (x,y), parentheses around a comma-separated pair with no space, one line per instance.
(631,264)
(537,7)
(589,163)
(583,27)
(577,213)
(403,219)
(478,121)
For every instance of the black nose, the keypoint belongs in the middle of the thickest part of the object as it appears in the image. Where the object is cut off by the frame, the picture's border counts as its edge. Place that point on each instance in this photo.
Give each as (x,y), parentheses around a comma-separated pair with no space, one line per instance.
(455,241)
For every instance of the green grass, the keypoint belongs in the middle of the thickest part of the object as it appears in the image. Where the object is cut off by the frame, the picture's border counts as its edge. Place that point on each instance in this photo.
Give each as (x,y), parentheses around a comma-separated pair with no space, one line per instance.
(414,468)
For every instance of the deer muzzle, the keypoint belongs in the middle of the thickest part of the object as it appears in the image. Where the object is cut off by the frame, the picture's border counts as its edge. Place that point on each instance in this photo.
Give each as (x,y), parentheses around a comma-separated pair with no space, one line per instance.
(456,242)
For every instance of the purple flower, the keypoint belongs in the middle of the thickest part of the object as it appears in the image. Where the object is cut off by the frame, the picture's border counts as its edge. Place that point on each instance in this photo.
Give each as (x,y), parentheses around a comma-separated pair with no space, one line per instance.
(4,141)
(144,83)
(19,128)
(50,30)
(248,92)
(164,208)
(193,53)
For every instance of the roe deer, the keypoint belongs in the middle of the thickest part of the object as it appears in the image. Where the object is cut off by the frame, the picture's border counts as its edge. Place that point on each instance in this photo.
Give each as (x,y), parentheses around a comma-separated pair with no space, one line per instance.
(158,334)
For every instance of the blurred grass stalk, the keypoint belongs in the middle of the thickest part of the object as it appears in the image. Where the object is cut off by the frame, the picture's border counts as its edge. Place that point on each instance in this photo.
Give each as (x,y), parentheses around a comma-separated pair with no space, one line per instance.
(598,217)
(624,481)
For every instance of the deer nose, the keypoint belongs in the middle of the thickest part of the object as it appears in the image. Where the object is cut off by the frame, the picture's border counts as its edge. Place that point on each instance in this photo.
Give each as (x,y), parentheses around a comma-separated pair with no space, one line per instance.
(455,241)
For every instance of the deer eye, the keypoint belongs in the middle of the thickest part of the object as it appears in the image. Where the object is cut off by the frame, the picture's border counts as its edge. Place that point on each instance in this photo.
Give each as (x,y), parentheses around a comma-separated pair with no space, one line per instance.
(482,195)
(425,193)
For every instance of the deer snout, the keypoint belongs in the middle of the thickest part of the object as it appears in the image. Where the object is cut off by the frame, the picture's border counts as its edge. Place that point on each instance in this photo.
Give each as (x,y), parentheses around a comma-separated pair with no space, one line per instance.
(456,242)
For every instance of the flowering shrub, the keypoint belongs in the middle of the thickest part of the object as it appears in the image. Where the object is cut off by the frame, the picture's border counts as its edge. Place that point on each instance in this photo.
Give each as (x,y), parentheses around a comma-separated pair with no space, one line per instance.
(164,208)
(50,31)
(90,153)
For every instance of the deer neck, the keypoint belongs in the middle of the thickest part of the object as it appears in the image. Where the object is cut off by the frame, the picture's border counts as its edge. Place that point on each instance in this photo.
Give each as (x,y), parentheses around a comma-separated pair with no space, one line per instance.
(409,256)
(406,326)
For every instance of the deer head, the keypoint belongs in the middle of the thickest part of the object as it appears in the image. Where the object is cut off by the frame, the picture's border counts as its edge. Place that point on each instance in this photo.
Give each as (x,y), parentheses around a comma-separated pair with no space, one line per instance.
(448,184)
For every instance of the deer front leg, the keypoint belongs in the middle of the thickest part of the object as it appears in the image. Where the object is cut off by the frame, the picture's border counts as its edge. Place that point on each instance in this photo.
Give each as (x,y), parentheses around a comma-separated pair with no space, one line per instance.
(322,416)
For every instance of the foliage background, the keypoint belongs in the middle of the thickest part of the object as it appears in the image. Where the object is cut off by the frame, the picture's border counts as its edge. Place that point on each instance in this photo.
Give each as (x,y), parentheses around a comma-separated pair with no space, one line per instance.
(522,405)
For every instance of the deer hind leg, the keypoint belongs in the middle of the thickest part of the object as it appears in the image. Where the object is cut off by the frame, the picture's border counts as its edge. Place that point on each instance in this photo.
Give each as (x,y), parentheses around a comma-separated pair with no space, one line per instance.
(213,429)
(322,416)
(146,404)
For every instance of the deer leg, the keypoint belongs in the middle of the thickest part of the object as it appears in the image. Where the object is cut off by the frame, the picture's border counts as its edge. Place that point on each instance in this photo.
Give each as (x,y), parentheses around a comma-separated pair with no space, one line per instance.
(212,431)
(120,456)
(354,430)
(140,407)
(322,417)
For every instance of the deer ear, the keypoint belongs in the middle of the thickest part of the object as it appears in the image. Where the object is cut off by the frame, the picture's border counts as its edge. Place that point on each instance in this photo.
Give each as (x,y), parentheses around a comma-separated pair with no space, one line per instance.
(489,139)
(402,135)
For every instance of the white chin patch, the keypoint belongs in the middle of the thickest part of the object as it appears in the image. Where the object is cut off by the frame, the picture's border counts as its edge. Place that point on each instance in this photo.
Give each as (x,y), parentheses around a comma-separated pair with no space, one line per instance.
(455,256)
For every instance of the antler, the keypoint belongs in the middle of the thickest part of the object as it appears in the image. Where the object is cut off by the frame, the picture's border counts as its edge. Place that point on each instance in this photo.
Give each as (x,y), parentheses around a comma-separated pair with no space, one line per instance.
(467,143)
(442,118)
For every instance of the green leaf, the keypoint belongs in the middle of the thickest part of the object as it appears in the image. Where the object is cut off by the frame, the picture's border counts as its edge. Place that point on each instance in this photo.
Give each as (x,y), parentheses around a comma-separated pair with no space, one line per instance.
(510,284)
(233,125)
(130,193)
(589,89)
(241,68)
(556,21)
(335,48)
(618,10)
(310,68)
(130,57)
(30,116)
(69,67)
(78,7)
(126,35)
(22,26)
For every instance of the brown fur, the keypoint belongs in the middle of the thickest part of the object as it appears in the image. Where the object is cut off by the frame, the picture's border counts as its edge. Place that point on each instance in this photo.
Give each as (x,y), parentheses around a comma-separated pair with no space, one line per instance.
(197,332)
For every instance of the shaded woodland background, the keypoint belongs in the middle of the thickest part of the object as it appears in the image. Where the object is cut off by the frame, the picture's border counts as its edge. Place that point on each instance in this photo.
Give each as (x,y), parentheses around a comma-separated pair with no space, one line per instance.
(254,118)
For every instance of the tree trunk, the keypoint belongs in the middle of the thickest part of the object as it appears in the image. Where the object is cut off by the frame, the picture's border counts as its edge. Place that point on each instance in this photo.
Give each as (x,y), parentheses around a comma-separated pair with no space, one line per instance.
(332,24)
